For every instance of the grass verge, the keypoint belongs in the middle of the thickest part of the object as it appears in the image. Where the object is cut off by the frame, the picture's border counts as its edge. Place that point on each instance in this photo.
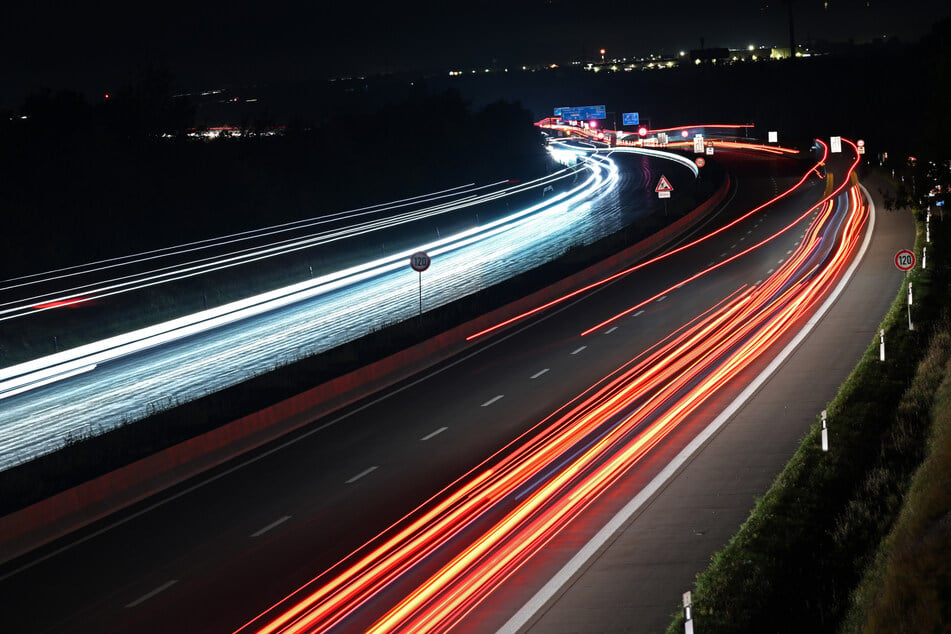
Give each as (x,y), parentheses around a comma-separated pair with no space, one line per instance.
(907,585)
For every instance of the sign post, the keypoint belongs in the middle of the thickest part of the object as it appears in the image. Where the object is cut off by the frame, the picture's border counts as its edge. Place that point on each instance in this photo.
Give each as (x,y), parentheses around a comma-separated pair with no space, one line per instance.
(663,190)
(419,262)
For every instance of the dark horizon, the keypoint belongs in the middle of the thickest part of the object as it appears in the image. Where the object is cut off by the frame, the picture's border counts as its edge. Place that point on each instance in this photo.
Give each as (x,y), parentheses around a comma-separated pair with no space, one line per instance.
(93,50)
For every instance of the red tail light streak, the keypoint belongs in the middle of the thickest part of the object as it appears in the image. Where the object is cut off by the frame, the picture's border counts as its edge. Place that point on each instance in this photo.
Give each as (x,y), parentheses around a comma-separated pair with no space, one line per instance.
(491,522)
(654,260)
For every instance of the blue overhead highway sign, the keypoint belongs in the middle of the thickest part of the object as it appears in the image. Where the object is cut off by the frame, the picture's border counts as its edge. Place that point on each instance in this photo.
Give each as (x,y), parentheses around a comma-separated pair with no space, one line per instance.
(630,118)
(581,113)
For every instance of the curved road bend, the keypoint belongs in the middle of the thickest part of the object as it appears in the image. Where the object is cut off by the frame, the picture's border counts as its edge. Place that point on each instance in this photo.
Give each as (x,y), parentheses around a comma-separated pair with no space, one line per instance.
(634,582)
(209,555)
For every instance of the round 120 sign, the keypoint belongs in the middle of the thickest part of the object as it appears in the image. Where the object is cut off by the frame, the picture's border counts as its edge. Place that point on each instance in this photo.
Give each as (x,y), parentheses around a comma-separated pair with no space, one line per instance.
(905,260)
(419,261)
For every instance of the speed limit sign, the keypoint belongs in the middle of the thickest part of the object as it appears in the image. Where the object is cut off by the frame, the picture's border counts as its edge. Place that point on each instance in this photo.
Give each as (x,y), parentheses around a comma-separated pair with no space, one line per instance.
(905,260)
(419,261)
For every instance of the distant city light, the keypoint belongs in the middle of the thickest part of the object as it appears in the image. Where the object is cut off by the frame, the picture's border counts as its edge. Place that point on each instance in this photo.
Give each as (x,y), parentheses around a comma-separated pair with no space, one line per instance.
(751,48)
(682,53)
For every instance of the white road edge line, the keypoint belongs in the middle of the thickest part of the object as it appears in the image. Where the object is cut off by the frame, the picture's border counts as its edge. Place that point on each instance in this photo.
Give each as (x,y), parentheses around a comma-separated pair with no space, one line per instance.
(361,474)
(273,524)
(538,374)
(579,350)
(434,434)
(616,523)
(492,400)
(145,597)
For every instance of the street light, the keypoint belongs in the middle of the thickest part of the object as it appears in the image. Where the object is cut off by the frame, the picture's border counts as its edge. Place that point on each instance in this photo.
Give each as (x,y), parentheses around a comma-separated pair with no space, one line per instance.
(602,55)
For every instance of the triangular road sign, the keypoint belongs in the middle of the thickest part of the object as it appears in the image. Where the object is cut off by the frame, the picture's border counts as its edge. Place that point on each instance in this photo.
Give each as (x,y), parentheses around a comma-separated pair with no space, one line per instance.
(663,185)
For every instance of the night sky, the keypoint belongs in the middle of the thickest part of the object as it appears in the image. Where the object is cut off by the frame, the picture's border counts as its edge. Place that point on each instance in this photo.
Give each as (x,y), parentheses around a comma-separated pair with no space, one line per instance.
(95,47)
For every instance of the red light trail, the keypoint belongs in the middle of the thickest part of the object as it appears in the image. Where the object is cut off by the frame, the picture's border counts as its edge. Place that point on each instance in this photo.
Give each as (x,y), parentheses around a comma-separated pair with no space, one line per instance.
(490,523)
(654,260)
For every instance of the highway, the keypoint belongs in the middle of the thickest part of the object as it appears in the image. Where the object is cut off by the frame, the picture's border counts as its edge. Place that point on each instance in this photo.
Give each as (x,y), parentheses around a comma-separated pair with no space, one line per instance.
(217,551)
(96,387)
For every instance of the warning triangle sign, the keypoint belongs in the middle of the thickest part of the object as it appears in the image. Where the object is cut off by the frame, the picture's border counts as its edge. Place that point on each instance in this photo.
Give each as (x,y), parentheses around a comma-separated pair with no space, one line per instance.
(663,185)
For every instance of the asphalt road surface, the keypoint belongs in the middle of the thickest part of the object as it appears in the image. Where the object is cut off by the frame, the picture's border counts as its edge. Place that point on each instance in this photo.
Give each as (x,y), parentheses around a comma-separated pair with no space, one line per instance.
(215,552)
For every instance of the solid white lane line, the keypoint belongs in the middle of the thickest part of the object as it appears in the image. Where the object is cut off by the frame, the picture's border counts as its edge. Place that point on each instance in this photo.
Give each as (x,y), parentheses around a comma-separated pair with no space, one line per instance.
(146,597)
(273,524)
(434,434)
(538,374)
(492,400)
(611,330)
(579,350)
(616,523)
(361,474)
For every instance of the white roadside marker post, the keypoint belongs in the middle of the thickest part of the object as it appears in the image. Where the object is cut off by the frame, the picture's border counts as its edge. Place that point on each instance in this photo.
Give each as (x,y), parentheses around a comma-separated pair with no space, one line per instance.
(881,346)
(825,432)
(688,616)
(911,326)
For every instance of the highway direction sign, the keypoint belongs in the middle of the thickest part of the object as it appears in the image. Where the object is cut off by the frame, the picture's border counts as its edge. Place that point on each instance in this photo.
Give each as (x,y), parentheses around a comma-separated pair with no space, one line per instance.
(419,261)
(630,118)
(581,113)
(905,260)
